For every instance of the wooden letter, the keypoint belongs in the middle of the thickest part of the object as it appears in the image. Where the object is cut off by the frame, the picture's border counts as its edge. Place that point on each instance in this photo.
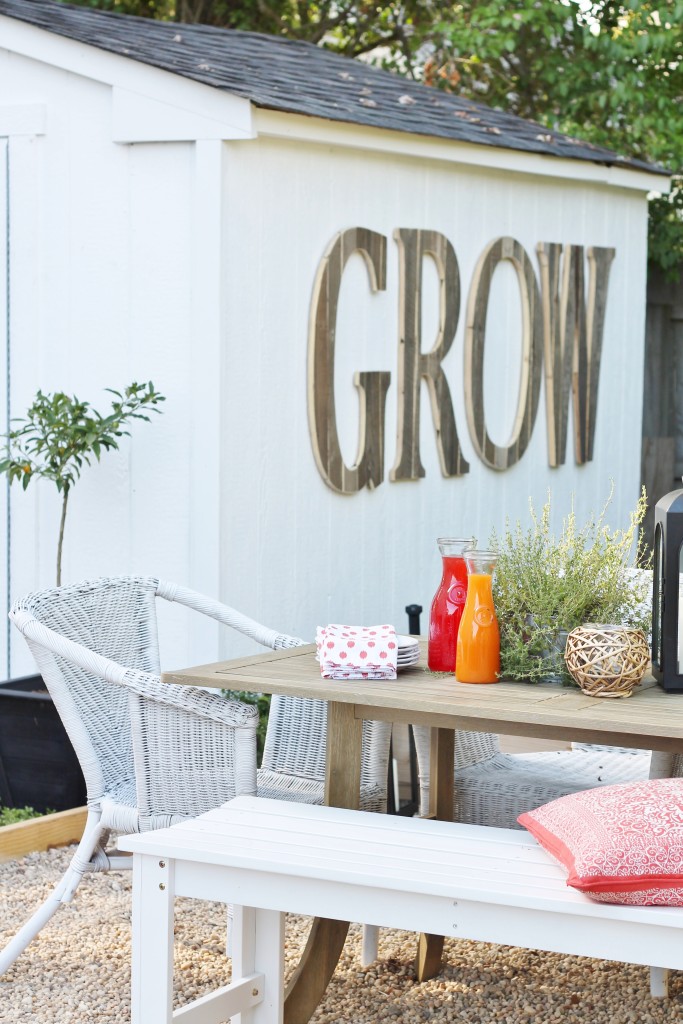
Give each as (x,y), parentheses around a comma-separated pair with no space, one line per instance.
(532,347)
(368,469)
(413,364)
(572,333)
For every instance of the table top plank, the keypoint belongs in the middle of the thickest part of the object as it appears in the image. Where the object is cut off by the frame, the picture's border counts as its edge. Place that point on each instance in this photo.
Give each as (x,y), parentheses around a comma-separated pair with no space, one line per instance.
(650,718)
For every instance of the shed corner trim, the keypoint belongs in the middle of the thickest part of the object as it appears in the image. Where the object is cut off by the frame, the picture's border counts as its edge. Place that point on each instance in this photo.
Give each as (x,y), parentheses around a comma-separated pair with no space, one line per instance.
(142,118)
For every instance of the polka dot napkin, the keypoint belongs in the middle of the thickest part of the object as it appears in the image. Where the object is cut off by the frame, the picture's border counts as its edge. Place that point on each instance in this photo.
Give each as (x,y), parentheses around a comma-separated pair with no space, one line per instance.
(357,652)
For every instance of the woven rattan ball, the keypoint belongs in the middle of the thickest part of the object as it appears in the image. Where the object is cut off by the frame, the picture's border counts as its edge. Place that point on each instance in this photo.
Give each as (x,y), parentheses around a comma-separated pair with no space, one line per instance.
(607,661)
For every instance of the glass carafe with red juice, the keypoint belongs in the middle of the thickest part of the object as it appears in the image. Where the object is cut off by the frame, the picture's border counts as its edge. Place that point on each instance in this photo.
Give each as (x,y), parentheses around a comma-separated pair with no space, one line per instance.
(478,653)
(448,603)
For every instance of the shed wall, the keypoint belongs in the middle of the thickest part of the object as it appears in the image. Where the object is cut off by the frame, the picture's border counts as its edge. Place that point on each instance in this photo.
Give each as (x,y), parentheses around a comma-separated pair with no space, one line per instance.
(193,265)
(293,548)
(101,245)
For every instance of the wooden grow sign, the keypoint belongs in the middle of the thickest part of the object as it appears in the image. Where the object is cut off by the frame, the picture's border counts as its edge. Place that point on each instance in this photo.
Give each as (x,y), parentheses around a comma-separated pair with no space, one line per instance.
(562,326)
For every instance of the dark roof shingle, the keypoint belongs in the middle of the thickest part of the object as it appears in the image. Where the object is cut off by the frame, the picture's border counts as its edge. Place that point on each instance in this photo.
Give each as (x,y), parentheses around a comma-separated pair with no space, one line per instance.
(301,78)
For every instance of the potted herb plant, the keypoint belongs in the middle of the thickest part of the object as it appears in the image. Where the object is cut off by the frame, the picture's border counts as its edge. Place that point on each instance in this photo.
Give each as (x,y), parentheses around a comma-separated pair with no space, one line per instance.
(57,438)
(547,583)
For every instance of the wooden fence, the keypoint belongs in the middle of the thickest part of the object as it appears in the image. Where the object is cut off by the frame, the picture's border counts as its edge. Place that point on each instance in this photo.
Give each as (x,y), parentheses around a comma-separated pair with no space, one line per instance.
(662,448)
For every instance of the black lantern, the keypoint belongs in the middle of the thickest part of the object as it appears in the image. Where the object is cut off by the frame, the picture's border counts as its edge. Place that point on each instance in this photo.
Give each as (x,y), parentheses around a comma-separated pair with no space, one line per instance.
(667,631)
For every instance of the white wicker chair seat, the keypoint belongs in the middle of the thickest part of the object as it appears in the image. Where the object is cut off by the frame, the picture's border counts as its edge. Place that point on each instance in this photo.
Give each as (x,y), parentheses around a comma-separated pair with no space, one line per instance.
(498,788)
(308,791)
(497,791)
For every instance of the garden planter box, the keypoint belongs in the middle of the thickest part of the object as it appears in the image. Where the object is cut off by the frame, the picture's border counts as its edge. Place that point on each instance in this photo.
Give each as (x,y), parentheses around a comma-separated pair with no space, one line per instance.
(40,834)
(38,766)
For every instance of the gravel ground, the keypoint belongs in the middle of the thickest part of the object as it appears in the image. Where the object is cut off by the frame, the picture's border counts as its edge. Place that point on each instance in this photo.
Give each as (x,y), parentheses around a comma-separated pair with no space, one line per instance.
(77,971)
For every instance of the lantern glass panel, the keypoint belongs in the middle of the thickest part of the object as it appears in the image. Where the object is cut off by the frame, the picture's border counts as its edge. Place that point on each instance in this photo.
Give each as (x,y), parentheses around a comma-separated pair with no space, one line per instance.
(658,593)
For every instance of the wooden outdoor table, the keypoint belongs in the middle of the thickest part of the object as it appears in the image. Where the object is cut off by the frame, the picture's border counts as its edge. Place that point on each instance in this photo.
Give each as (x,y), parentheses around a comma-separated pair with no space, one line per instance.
(651,719)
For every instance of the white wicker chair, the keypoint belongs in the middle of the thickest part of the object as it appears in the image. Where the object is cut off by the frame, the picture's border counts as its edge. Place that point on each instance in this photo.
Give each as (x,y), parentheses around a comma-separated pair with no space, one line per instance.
(500,787)
(115,621)
(151,754)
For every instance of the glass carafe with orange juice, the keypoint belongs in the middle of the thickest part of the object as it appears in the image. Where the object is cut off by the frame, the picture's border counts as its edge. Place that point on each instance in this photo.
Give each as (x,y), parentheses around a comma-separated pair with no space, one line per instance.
(448,604)
(478,649)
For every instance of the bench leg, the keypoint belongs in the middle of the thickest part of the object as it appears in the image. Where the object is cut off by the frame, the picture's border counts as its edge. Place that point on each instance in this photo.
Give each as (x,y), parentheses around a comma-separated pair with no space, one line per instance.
(258,942)
(152,953)
(659,982)
(370,945)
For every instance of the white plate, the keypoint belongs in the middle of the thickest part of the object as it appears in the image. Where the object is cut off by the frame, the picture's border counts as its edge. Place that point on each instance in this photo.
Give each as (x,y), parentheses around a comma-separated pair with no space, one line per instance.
(406,664)
(408,659)
(407,642)
(408,651)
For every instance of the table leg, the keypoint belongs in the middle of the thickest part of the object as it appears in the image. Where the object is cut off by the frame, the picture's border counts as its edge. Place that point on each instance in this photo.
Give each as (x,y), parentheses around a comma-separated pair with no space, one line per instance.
(430,947)
(326,940)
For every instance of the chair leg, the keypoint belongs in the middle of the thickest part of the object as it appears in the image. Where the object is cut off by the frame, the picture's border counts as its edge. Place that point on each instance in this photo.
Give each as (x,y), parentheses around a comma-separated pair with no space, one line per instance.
(62,893)
(659,982)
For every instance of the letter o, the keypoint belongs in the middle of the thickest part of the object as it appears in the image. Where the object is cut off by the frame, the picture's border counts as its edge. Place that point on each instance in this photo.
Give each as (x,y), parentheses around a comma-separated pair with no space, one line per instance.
(493,455)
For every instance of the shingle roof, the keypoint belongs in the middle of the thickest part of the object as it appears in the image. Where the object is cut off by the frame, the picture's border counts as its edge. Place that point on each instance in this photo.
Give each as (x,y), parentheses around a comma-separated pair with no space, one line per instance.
(300,78)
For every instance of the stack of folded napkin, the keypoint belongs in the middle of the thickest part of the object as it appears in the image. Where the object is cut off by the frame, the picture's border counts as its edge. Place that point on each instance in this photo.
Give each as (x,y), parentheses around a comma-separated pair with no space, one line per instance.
(357,652)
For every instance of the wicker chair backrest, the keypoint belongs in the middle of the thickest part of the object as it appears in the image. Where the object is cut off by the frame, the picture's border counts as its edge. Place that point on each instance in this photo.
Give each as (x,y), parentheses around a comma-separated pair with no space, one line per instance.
(296,740)
(114,617)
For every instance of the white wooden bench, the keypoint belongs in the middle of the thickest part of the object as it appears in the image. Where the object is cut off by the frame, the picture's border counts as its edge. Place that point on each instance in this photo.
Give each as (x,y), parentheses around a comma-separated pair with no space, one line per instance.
(269,856)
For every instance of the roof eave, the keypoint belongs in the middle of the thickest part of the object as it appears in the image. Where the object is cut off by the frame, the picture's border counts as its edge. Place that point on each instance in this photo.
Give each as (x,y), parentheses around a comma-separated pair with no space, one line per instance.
(278,124)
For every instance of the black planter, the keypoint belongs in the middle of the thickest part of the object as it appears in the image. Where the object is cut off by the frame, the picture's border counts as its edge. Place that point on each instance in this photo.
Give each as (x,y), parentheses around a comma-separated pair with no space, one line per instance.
(38,766)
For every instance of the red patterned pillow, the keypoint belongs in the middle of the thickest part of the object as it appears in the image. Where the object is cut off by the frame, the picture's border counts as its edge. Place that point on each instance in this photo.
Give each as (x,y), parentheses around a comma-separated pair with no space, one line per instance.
(619,844)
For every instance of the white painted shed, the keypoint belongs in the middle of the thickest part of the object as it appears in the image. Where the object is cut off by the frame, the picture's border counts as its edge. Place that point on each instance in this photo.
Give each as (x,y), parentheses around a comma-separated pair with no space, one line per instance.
(168,195)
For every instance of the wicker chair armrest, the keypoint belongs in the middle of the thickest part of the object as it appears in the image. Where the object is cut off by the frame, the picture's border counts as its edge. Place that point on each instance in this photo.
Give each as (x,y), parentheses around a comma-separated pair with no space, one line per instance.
(192,699)
(227,616)
(144,684)
(188,758)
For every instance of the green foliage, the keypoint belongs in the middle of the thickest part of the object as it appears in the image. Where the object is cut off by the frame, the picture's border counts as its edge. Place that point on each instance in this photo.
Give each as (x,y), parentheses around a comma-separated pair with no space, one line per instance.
(665,231)
(11,815)
(262,702)
(546,582)
(352,29)
(606,72)
(60,435)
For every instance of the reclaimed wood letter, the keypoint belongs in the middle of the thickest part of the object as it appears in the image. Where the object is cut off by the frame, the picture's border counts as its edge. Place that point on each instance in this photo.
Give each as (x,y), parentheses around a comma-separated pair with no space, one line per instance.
(413,364)
(368,469)
(572,333)
(532,348)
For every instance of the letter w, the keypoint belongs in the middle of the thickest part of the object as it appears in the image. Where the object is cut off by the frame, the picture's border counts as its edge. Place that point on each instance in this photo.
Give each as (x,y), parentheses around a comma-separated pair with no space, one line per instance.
(572,335)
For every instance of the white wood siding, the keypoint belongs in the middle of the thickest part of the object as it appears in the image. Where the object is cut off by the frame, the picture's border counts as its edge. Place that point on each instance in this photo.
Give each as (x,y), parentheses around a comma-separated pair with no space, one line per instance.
(193,265)
(103,239)
(293,551)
